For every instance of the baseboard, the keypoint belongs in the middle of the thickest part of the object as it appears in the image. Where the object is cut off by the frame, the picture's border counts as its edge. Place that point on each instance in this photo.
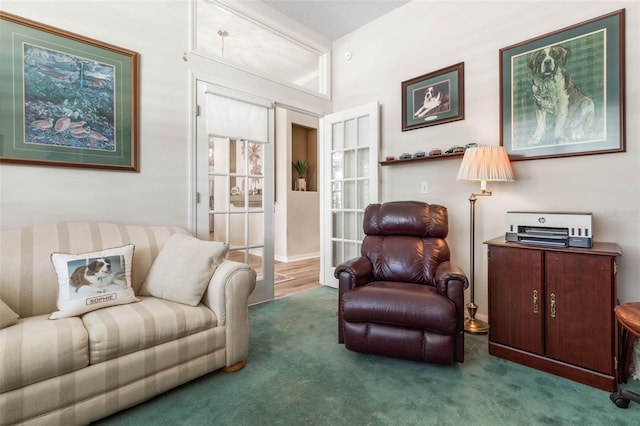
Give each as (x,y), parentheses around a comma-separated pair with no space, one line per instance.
(287,259)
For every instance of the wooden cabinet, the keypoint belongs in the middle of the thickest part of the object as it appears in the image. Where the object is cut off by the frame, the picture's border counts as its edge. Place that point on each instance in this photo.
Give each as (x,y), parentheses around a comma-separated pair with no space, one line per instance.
(551,309)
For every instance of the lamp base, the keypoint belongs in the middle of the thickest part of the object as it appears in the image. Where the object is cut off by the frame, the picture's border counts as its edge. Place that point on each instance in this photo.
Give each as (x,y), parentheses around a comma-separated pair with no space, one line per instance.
(473,325)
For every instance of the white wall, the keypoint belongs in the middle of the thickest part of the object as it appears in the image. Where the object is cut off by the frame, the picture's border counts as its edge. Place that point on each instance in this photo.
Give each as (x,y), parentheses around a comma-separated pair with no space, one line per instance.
(424,36)
(162,192)
(297,213)
(417,38)
(158,194)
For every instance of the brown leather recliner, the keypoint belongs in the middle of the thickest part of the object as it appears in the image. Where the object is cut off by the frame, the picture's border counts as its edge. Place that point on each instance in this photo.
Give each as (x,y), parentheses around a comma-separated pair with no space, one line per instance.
(403,297)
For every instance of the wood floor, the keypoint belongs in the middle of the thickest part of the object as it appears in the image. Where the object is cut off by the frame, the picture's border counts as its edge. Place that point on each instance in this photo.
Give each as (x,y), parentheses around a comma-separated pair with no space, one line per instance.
(306,273)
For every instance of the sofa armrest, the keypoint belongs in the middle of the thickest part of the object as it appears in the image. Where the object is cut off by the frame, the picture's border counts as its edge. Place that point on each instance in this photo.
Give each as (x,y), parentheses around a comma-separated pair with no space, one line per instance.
(227,296)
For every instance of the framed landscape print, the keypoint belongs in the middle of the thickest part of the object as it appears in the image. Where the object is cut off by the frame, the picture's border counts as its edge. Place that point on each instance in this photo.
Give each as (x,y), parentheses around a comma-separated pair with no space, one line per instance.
(562,94)
(66,100)
(433,98)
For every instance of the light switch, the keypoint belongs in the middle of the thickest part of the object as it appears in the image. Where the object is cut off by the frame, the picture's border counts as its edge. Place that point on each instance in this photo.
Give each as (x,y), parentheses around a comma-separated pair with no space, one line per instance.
(424,187)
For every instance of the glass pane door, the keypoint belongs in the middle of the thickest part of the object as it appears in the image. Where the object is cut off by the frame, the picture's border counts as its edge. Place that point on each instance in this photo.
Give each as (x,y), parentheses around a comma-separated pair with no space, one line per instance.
(235,170)
(236,205)
(352,147)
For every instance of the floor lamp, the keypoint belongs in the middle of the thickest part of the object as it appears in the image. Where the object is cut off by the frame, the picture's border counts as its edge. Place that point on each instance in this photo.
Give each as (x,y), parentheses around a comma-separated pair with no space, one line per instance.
(483,164)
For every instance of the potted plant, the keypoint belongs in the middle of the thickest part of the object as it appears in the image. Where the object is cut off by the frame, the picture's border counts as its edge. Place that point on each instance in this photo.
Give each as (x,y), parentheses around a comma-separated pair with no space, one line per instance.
(301,167)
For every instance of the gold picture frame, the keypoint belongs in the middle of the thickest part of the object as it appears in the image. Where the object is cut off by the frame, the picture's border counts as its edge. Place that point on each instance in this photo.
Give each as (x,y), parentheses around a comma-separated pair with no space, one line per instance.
(66,100)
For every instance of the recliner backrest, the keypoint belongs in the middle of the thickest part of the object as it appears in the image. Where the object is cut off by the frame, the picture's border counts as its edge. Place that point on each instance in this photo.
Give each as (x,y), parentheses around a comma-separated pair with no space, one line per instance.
(405,240)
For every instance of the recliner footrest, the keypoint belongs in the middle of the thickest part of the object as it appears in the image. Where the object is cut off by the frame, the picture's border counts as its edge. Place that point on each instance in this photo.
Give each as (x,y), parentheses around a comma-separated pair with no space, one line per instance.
(399,342)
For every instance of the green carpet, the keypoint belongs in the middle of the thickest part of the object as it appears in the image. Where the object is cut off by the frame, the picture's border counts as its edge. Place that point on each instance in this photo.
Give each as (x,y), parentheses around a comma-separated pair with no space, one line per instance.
(297,374)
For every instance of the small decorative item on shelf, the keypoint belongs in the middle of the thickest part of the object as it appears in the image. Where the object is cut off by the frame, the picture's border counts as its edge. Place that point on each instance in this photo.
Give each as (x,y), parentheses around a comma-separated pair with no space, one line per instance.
(434,154)
(301,167)
(454,149)
(470,145)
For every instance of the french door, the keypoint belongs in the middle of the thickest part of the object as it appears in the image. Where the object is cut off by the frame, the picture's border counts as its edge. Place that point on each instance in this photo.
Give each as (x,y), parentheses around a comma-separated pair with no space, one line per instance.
(235,179)
(350,183)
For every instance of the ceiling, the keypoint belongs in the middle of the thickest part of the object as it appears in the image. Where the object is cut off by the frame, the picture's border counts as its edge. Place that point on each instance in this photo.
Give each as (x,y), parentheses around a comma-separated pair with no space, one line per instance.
(334,18)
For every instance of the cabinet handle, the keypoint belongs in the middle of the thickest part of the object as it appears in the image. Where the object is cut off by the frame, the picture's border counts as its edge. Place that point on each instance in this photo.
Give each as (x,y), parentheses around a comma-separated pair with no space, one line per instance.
(535,301)
(553,305)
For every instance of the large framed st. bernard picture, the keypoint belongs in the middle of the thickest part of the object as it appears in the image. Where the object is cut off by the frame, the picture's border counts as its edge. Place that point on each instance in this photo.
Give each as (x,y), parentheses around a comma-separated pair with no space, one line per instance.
(434,98)
(66,100)
(562,94)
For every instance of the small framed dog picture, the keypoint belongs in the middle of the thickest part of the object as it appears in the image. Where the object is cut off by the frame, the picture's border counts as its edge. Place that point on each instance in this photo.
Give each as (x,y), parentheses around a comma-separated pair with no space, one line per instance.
(562,94)
(433,98)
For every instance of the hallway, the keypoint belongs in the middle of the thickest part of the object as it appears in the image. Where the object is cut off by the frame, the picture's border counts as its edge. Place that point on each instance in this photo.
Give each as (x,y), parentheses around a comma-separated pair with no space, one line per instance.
(306,273)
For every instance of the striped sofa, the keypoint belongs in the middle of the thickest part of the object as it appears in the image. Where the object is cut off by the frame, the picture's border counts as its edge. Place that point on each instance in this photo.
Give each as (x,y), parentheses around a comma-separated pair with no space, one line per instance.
(79,369)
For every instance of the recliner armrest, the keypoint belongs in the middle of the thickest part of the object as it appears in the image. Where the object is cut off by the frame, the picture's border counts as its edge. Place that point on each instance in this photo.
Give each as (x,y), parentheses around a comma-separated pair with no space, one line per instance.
(352,273)
(446,272)
(359,270)
(451,281)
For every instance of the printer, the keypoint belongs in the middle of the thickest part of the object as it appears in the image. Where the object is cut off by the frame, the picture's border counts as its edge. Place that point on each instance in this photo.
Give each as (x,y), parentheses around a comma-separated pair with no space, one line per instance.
(559,229)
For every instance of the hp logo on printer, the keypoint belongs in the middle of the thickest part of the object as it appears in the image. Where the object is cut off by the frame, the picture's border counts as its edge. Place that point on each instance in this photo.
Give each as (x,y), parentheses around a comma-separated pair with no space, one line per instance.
(541,220)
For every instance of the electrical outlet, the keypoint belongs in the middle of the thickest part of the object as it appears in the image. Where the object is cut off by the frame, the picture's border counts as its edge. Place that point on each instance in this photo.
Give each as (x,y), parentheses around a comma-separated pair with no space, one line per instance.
(424,187)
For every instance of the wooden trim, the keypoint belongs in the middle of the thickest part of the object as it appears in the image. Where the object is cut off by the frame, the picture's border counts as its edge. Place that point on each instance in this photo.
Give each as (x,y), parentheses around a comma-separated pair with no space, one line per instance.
(605,382)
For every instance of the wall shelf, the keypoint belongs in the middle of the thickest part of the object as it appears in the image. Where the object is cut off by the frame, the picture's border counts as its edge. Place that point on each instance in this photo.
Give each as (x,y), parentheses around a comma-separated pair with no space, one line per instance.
(425,158)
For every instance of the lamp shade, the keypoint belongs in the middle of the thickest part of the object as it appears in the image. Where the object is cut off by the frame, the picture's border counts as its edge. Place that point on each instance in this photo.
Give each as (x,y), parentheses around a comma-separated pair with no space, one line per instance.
(485,163)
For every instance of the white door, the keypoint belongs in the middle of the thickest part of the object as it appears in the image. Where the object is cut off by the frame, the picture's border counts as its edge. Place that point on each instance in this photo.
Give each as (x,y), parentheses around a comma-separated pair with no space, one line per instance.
(350,183)
(235,179)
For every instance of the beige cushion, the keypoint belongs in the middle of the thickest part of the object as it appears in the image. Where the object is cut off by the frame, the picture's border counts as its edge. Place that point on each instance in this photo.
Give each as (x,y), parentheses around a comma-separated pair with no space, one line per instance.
(7,316)
(35,349)
(91,281)
(124,329)
(183,268)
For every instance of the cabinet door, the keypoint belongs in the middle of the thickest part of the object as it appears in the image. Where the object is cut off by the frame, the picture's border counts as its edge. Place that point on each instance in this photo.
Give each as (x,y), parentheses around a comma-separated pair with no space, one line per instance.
(580,310)
(516,308)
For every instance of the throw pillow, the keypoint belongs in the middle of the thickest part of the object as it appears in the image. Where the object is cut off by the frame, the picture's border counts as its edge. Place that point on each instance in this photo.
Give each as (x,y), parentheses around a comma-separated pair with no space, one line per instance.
(91,281)
(7,316)
(183,268)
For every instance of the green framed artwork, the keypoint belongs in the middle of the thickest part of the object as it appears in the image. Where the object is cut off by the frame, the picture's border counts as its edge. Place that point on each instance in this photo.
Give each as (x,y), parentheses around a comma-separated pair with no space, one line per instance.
(66,100)
(562,94)
(434,98)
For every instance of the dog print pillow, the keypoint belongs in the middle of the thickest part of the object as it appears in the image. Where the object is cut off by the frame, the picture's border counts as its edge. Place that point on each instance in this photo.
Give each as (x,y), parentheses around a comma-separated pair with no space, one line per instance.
(91,281)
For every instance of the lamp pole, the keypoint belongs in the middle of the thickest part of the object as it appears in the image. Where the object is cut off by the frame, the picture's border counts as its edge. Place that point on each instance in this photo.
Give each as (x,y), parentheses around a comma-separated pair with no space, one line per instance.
(481,164)
(472,325)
